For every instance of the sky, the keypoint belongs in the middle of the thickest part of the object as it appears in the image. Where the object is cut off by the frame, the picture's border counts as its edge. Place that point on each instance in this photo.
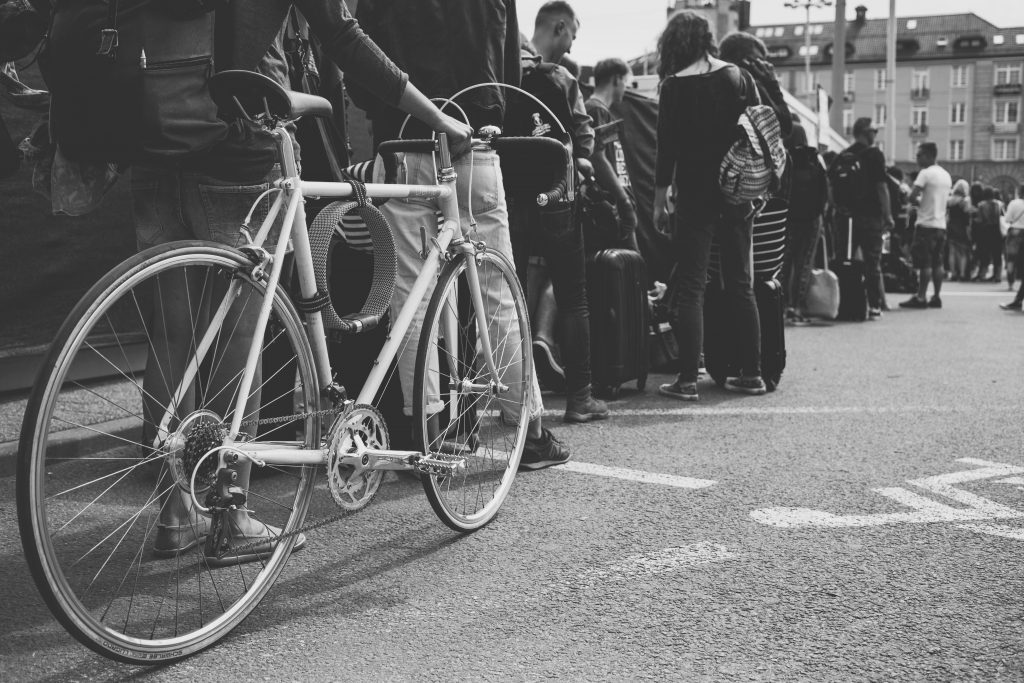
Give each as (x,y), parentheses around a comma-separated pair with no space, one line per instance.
(628,28)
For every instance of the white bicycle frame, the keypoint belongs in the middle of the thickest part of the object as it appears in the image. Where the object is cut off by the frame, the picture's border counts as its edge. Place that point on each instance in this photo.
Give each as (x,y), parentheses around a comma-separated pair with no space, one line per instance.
(291,192)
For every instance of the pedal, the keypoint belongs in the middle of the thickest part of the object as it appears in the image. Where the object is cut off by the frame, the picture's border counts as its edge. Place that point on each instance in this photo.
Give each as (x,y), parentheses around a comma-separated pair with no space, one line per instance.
(440,465)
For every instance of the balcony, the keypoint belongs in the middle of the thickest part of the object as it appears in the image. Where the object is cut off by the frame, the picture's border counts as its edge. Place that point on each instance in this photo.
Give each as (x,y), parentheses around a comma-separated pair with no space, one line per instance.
(920,93)
(1008,89)
(1005,128)
(919,130)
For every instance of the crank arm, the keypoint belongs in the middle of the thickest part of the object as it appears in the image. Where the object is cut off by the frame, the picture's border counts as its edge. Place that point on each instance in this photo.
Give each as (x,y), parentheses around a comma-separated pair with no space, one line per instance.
(381,460)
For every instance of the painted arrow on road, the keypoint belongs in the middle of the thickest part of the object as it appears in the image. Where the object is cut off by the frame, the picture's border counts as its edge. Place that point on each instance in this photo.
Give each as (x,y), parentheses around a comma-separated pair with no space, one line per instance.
(924,510)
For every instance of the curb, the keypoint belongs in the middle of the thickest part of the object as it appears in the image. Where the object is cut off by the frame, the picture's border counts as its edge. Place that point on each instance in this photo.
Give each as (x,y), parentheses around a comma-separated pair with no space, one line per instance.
(73,443)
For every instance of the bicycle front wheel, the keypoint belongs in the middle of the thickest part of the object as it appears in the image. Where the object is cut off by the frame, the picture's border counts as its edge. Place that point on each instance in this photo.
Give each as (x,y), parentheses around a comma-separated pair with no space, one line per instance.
(472,409)
(138,386)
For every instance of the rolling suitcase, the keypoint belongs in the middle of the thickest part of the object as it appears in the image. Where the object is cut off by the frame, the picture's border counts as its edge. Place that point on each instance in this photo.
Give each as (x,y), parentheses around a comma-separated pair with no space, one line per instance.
(853,295)
(720,352)
(617,295)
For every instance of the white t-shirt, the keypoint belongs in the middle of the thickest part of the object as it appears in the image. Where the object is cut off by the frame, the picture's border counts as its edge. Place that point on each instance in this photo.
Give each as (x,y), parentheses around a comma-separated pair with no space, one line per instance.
(1015,214)
(936,184)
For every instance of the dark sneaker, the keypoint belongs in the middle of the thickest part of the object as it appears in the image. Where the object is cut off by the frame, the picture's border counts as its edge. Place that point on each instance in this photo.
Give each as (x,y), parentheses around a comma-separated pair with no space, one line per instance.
(543,452)
(549,369)
(1012,306)
(874,313)
(586,409)
(935,302)
(753,386)
(682,392)
(913,302)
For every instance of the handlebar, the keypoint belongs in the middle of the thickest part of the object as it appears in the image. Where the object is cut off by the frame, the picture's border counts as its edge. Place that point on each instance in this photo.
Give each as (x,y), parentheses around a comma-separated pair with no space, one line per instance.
(522,157)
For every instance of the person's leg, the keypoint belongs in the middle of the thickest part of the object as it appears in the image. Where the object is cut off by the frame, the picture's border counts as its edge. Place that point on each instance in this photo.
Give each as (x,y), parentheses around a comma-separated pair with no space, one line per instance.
(997,255)
(938,272)
(692,245)
(920,254)
(734,233)
(868,235)
(562,244)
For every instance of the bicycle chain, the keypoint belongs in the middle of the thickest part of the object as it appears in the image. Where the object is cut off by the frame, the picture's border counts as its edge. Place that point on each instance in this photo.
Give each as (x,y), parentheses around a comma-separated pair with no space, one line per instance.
(312,526)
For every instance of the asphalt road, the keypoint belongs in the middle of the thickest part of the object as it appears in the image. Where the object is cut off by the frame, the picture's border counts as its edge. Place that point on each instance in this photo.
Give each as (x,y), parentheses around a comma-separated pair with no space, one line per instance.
(806,535)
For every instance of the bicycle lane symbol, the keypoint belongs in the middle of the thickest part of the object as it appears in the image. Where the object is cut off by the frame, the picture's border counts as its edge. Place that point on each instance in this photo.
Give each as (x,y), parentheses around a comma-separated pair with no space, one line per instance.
(975,514)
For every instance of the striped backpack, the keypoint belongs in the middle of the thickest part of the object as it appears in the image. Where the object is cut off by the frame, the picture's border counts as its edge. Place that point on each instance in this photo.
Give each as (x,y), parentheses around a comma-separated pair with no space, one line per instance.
(753,166)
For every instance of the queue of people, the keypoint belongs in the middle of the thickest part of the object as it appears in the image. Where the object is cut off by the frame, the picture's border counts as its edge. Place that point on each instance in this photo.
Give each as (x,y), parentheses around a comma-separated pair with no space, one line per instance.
(392,70)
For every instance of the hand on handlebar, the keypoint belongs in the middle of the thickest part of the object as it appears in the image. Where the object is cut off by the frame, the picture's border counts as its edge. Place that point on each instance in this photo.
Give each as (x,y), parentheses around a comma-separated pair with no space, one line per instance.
(459,134)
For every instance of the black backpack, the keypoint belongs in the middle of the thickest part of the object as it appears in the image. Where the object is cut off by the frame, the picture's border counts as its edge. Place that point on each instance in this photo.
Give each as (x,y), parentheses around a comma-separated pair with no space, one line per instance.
(845,177)
(807,181)
(128,79)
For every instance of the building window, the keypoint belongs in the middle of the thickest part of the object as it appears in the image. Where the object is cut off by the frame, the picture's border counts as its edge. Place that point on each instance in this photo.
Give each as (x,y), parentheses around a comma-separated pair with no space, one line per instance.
(958,112)
(1008,73)
(880,79)
(1006,111)
(798,30)
(1004,149)
(879,115)
(813,52)
(1019,39)
(911,24)
(919,119)
(998,39)
(919,79)
(847,122)
(956,150)
(817,29)
(959,79)
(780,31)
(848,82)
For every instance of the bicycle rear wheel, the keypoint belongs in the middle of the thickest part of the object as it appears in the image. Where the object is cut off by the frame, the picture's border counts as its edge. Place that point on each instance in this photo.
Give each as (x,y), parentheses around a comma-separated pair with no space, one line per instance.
(99,495)
(459,420)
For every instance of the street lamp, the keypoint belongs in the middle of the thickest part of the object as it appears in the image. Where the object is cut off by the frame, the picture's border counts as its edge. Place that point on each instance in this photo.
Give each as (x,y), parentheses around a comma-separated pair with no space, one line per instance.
(808,5)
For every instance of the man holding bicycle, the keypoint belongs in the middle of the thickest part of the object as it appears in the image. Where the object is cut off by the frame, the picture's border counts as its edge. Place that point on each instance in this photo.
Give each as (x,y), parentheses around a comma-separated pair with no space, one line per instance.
(445,47)
(203,197)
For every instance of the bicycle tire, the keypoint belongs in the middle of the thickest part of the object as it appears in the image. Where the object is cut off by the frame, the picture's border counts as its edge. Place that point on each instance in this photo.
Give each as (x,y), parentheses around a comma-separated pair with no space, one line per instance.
(469,425)
(87,522)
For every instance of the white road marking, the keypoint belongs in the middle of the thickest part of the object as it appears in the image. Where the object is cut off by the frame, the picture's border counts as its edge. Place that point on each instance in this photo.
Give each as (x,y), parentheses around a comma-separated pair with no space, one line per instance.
(663,561)
(796,410)
(926,510)
(636,475)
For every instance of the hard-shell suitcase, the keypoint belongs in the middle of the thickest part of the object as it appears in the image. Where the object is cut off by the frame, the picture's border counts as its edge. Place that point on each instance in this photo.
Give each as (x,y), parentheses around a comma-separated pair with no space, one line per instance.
(617,295)
(853,295)
(720,351)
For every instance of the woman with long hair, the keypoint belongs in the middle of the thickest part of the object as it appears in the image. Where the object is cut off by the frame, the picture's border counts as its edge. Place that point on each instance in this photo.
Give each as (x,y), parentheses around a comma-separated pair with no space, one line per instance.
(700,102)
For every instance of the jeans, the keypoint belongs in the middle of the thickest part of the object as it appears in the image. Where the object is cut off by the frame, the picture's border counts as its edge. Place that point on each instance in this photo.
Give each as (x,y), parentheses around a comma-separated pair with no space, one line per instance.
(802,248)
(867,236)
(558,237)
(169,205)
(692,243)
(490,212)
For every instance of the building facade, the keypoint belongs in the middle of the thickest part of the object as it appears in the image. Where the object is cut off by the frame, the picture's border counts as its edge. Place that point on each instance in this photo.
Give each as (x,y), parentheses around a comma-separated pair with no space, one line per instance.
(958,84)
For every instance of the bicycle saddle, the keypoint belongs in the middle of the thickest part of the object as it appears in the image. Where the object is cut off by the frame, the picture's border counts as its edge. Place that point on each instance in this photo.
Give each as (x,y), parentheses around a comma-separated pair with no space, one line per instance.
(249,94)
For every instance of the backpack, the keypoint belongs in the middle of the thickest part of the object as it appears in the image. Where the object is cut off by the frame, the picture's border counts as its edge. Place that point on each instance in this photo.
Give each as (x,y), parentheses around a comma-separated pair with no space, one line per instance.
(128,79)
(807,177)
(754,165)
(844,176)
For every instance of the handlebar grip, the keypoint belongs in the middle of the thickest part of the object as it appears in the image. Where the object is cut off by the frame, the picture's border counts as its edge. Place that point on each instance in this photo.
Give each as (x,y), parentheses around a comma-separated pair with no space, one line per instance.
(552,196)
(392,146)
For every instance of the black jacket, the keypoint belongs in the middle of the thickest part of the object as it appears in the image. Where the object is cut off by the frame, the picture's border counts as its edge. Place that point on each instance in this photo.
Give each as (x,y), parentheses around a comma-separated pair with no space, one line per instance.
(444,46)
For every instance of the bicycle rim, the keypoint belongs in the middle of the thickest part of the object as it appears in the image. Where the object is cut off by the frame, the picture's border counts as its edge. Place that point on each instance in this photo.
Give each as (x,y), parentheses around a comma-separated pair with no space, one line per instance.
(486,431)
(93,492)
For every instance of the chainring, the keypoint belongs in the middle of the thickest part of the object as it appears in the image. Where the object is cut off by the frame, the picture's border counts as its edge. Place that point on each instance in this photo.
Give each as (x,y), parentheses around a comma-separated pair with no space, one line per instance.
(353,487)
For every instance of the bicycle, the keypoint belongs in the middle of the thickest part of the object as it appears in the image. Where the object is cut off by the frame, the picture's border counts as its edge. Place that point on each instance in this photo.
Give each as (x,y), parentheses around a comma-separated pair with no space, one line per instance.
(90,519)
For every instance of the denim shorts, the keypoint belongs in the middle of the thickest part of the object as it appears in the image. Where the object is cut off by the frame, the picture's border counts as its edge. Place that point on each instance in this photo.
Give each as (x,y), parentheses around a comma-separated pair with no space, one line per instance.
(170,205)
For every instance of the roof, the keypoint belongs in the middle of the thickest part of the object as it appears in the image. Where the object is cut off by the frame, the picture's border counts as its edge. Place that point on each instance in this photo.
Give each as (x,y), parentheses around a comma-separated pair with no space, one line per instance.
(952,36)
